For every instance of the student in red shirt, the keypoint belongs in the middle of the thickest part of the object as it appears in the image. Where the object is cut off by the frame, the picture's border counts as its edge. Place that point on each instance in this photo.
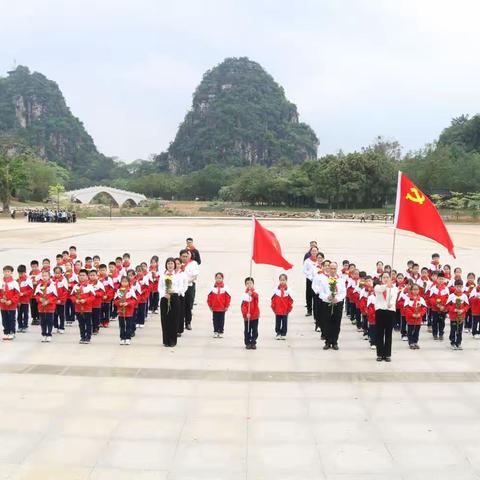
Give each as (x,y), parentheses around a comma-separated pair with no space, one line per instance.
(251,314)
(415,308)
(9,297)
(107,296)
(99,290)
(83,296)
(63,291)
(475,309)
(47,296)
(72,279)
(457,306)
(282,304)
(154,296)
(26,292)
(218,301)
(35,276)
(438,298)
(125,301)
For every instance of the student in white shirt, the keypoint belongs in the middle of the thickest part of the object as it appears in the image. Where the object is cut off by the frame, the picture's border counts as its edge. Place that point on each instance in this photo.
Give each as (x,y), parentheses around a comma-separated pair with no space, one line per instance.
(385,309)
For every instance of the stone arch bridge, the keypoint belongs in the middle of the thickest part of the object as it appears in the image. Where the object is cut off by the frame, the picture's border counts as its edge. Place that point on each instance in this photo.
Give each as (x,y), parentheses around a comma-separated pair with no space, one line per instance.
(86,195)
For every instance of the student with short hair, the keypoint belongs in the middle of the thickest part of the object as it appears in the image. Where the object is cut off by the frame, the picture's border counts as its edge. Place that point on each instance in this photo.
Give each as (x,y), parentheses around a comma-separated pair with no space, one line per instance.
(82,296)
(218,300)
(282,304)
(9,297)
(125,301)
(251,314)
(26,292)
(47,296)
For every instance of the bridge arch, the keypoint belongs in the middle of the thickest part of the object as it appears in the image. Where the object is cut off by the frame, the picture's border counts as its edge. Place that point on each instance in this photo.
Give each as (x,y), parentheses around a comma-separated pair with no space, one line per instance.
(86,195)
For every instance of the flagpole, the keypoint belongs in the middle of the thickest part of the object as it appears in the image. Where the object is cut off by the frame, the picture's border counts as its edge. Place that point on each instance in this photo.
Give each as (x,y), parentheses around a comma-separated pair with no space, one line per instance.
(251,271)
(395,216)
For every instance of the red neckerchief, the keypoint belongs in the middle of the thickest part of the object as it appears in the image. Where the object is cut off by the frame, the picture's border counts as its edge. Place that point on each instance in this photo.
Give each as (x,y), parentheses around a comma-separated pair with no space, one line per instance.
(35,272)
(22,277)
(45,269)
(218,286)
(7,281)
(282,289)
(58,277)
(184,265)
(125,264)
(88,266)
(313,259)
(73,256)
(448,276)
(60,263)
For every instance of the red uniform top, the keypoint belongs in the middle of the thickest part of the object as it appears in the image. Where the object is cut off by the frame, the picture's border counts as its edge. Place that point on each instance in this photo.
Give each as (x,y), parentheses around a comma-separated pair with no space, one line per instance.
(362,301)
(35,277)
(250,298)
(109,288)
(142,288)
(46,296)
(125,295)
(62,287)
(282,301)
(438,297)
(457,301)
(83,291)
(9,292)
(219,298)
(99,290)
(72,279)
(415,305)
(475,301)
(371,309)
(155,278)
(26,288)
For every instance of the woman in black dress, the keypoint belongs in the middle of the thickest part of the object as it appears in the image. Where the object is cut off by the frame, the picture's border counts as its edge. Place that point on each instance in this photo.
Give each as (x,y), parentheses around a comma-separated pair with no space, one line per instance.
(170,285)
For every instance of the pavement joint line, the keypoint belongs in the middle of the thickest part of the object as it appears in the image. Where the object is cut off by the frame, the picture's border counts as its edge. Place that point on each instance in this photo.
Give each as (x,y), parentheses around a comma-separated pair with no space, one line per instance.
(240,376)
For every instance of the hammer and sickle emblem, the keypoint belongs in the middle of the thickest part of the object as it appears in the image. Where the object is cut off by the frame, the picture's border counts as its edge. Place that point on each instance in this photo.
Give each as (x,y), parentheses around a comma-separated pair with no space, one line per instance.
(415,196)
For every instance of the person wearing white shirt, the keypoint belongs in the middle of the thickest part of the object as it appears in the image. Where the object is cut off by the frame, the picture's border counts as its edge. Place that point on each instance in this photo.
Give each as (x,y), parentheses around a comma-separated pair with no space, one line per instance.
(310,267)
(190,267)
(170,286)
(332,304)
(181,296)
(385,309)
(317,302)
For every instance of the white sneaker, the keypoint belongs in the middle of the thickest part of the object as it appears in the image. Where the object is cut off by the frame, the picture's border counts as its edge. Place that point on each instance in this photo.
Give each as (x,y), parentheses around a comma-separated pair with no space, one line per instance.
(220,335)
(44,339)
(57,330)
(477,336)
(6,337)
(215,335)
(283,337)
(373,347)
(141,325)
(48,339)
(12,336)
(60,331)
(404,338)
(127,342)
(278,337)
(122,342)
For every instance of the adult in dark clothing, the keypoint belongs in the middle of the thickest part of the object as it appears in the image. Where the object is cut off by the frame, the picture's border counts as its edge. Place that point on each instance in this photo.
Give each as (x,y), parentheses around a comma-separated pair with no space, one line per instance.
(195,253)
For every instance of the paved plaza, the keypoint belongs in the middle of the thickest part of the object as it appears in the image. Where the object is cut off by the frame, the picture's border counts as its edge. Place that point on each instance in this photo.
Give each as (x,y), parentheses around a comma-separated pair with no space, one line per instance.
(209,409)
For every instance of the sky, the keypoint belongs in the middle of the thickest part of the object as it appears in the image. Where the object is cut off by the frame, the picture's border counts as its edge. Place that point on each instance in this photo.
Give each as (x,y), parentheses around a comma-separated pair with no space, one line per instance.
(355,69)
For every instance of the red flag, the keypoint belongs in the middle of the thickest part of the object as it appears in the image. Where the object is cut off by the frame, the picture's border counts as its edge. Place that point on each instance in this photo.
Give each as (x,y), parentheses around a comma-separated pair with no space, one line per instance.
(416,213)
(266,248)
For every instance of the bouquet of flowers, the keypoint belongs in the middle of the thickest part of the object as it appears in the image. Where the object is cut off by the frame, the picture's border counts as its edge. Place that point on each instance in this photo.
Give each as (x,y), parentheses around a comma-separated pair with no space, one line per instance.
(332,285)
(122,293)
(458,306)
(168,289)
(78,295)
(44,295)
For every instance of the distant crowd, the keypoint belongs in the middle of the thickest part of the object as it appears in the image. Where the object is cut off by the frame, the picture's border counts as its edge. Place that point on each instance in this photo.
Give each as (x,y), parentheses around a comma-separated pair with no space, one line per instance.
(49,215)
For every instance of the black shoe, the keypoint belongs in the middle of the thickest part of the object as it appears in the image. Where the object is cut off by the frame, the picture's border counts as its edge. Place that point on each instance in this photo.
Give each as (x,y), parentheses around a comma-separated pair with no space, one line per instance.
(179,335)
(335,347)
(379,359)
(326,346)
(387,359)
(248,347)
(188,327)
(253,347)
(322,337)
(309,314)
